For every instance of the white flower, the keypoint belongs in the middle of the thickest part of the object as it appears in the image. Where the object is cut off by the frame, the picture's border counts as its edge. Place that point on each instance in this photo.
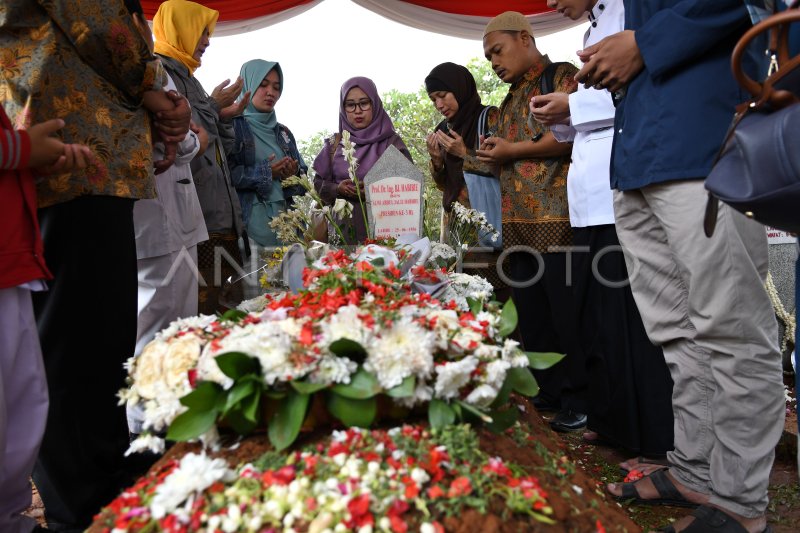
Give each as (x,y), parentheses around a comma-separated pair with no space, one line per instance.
(185,324)
(419,476)
(342,208)
(372,252)
(181,356)
(333,369)
(146,442)
(194,474)
(403,350)
(496,373)
(482,395)
(345,324)
(148,369)
(454,375)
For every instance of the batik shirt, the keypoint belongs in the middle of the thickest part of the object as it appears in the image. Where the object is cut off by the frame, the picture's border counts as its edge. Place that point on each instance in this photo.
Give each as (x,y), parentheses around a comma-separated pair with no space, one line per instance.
(534,191)
(85,62)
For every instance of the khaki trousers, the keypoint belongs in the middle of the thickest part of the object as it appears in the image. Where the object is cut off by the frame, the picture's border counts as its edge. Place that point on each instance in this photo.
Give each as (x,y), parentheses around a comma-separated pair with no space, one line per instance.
(703,300)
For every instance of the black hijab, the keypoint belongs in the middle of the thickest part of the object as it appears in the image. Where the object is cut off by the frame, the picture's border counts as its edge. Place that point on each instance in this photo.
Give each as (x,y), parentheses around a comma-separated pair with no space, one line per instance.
(459,81)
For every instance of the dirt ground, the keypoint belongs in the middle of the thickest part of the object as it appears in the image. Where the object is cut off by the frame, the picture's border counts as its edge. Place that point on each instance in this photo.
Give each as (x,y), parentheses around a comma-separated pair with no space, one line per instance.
(599,465)
(783,512)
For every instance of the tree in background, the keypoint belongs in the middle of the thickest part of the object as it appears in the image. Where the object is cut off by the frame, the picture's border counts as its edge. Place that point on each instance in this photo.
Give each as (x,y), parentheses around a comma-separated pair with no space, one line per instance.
(414,117)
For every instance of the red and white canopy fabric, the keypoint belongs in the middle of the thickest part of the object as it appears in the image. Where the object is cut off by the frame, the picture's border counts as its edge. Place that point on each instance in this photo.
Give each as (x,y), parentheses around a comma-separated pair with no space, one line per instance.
(457,18)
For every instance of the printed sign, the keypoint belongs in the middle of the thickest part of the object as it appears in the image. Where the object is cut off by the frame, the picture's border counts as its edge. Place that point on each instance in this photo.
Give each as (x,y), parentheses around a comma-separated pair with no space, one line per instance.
(394,188)
(777,236)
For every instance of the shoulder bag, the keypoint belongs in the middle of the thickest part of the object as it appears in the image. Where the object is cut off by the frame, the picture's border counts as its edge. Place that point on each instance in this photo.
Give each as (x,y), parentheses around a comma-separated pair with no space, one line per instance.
(757,171)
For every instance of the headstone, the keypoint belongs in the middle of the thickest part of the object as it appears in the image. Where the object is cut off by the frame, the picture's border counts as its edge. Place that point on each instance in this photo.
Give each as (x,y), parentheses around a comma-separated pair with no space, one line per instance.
(394,196)
(782,256)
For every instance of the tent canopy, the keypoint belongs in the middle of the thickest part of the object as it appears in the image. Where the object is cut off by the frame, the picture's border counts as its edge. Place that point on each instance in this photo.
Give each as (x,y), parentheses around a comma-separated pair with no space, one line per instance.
(457,18)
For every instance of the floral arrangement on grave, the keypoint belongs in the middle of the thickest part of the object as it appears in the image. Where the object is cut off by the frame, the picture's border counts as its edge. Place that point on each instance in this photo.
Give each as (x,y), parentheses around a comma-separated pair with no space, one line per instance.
(408,478)
(359,335)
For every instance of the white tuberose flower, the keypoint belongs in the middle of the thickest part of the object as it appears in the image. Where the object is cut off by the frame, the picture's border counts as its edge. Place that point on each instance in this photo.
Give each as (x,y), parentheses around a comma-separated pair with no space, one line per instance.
(194,474)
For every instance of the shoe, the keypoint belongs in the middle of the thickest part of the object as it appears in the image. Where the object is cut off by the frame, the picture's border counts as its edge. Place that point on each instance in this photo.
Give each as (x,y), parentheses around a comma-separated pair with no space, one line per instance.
(567,420)
(543,405)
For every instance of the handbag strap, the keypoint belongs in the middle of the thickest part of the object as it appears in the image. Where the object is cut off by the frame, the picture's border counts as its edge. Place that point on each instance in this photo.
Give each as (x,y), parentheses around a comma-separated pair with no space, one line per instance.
(482,120)
(763,93)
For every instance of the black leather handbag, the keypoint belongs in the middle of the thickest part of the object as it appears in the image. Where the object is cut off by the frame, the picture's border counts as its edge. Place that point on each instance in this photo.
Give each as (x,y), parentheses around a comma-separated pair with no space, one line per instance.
(757,171)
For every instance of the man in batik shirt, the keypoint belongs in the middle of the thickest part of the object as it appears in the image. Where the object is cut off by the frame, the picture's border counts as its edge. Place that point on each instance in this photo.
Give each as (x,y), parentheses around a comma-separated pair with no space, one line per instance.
(85,62)
(533,167)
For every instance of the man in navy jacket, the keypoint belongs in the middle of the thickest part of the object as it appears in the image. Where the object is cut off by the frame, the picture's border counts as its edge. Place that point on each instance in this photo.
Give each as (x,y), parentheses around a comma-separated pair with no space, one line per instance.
(702,299)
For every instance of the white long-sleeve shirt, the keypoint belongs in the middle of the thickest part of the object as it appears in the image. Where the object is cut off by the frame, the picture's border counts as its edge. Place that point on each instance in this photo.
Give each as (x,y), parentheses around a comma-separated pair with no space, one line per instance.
(591,129)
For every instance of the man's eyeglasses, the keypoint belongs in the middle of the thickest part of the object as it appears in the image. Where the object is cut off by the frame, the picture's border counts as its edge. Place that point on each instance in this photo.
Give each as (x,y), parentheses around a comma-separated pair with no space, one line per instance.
(364,105)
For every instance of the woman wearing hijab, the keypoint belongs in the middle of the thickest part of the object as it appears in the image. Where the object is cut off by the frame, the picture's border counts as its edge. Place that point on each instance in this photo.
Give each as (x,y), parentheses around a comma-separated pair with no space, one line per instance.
(454,167)
(265,153)
(371,130)
(182,31)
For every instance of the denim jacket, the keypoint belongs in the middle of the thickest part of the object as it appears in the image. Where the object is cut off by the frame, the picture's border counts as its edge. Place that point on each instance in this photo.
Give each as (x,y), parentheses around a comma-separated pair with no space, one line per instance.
(251,177)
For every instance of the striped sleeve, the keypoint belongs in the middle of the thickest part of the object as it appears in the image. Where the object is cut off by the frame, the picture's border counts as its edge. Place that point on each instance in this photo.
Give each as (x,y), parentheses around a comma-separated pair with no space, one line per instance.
(15,149)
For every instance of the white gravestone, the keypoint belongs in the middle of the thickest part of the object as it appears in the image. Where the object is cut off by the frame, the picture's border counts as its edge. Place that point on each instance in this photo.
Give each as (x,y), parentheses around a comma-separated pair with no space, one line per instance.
(394,188)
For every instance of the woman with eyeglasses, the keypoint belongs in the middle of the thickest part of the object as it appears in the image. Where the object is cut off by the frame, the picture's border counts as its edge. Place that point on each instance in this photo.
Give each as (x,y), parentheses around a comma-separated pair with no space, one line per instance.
(371,130)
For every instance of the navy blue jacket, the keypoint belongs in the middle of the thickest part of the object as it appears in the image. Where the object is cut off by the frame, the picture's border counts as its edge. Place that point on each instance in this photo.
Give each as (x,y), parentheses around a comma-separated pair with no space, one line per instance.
(673,118)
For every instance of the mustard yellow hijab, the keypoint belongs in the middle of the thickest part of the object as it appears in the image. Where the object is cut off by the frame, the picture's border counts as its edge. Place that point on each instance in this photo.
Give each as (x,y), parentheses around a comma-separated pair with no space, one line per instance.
(178,26)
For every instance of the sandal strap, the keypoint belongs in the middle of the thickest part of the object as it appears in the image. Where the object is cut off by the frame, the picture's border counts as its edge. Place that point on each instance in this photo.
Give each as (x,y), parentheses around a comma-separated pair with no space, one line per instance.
(665,487)
(709,519)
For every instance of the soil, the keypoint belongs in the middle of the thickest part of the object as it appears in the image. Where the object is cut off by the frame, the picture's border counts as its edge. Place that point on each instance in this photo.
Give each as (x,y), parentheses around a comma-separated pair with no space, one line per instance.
(577,496)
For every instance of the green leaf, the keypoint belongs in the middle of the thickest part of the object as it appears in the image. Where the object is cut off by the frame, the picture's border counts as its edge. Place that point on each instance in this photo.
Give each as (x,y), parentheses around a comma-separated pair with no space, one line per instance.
(502,395)
(237,364)
(378,262)
(475,411)
(233,315)
(304,387)
(349,348)
(522,381)
(251,407)
(440,414)
(508,319)
(543,360)
(287,420)
(362,385)
(475,305)
(205,397)
(502,420)
(405,389)
(237,393)
(353,412)
(191,424)
(238,421)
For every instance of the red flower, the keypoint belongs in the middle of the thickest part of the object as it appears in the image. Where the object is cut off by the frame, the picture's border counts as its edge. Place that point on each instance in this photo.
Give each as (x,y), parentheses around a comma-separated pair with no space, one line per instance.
(600,528)
(633,475)
(435,492)
(307,334)
(461,486)
(398,524)
(359,512)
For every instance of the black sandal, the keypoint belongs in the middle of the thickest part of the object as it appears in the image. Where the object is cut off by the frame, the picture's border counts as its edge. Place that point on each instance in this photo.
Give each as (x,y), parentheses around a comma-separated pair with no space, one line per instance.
(668,493)
(709,519)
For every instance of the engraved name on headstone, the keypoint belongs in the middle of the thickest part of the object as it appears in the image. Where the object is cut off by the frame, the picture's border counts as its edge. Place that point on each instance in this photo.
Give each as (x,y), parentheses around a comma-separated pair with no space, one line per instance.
(394,188)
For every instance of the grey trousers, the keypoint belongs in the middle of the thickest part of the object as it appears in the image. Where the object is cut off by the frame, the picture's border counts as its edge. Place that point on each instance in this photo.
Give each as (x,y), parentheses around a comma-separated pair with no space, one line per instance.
(23,406)
(703,300)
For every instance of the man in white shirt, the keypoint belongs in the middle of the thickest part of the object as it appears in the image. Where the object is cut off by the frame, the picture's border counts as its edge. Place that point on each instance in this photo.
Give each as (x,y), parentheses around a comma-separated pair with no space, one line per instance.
(629,394)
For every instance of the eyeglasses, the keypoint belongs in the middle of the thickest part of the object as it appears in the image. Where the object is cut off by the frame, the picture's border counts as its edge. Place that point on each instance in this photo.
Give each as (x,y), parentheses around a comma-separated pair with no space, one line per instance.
(364,105)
